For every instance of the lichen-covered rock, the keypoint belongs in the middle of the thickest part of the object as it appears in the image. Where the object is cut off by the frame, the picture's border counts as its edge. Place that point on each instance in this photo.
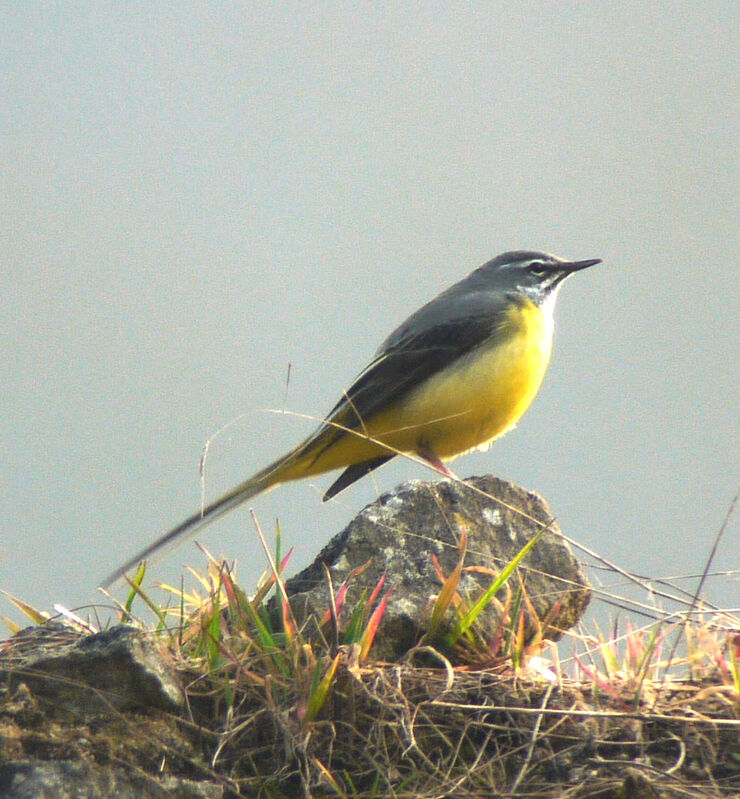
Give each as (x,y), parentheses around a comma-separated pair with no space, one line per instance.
(401,531)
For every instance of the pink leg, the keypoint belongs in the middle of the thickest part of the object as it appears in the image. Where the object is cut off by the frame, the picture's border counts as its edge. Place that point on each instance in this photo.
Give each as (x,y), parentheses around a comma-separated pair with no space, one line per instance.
(433,460)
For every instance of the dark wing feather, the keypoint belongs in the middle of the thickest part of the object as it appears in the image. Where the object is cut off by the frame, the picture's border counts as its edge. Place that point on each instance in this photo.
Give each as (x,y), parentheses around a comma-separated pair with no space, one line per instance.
(457,321)
(433,338)
(353,473)
(416,351)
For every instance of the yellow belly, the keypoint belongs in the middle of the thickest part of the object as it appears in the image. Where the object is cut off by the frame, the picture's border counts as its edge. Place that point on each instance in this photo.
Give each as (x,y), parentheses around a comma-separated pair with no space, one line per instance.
(467,405)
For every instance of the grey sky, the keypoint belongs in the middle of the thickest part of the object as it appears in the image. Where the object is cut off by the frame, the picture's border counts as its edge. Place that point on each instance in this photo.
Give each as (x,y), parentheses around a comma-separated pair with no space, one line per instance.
(195,196)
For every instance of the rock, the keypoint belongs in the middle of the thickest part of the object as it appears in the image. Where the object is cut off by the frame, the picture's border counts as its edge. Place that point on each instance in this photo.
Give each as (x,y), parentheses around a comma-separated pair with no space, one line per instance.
(401,531)
(70,780)
(120,668)
(64,732)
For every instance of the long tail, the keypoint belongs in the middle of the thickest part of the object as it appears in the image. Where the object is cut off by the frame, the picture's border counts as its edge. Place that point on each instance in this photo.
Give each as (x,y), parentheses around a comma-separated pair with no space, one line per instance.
(278,472)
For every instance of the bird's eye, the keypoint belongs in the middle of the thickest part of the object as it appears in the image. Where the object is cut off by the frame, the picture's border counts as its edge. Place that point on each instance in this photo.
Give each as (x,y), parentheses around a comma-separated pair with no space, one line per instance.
(537,269)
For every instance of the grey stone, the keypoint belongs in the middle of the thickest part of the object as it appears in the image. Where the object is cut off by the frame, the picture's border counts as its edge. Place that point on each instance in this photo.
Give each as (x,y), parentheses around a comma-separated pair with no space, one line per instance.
(120,668)
(401,531)
(72,780)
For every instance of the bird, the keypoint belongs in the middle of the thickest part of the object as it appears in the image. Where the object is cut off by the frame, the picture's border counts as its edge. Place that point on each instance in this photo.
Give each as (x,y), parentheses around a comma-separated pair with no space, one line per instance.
(454,377)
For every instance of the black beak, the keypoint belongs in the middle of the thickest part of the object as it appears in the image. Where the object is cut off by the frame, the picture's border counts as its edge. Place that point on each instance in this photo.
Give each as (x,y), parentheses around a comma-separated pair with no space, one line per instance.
(575,266)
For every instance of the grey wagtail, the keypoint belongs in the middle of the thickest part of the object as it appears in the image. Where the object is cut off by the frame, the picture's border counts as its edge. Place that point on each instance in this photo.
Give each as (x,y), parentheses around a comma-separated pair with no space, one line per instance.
(457,374)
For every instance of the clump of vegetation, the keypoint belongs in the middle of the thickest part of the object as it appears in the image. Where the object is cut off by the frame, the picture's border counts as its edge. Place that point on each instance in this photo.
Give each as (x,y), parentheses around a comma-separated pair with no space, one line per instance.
(282,711)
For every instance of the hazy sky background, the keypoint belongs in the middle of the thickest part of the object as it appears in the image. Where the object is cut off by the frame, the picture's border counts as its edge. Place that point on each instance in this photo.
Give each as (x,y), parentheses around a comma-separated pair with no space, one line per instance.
(196,196)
